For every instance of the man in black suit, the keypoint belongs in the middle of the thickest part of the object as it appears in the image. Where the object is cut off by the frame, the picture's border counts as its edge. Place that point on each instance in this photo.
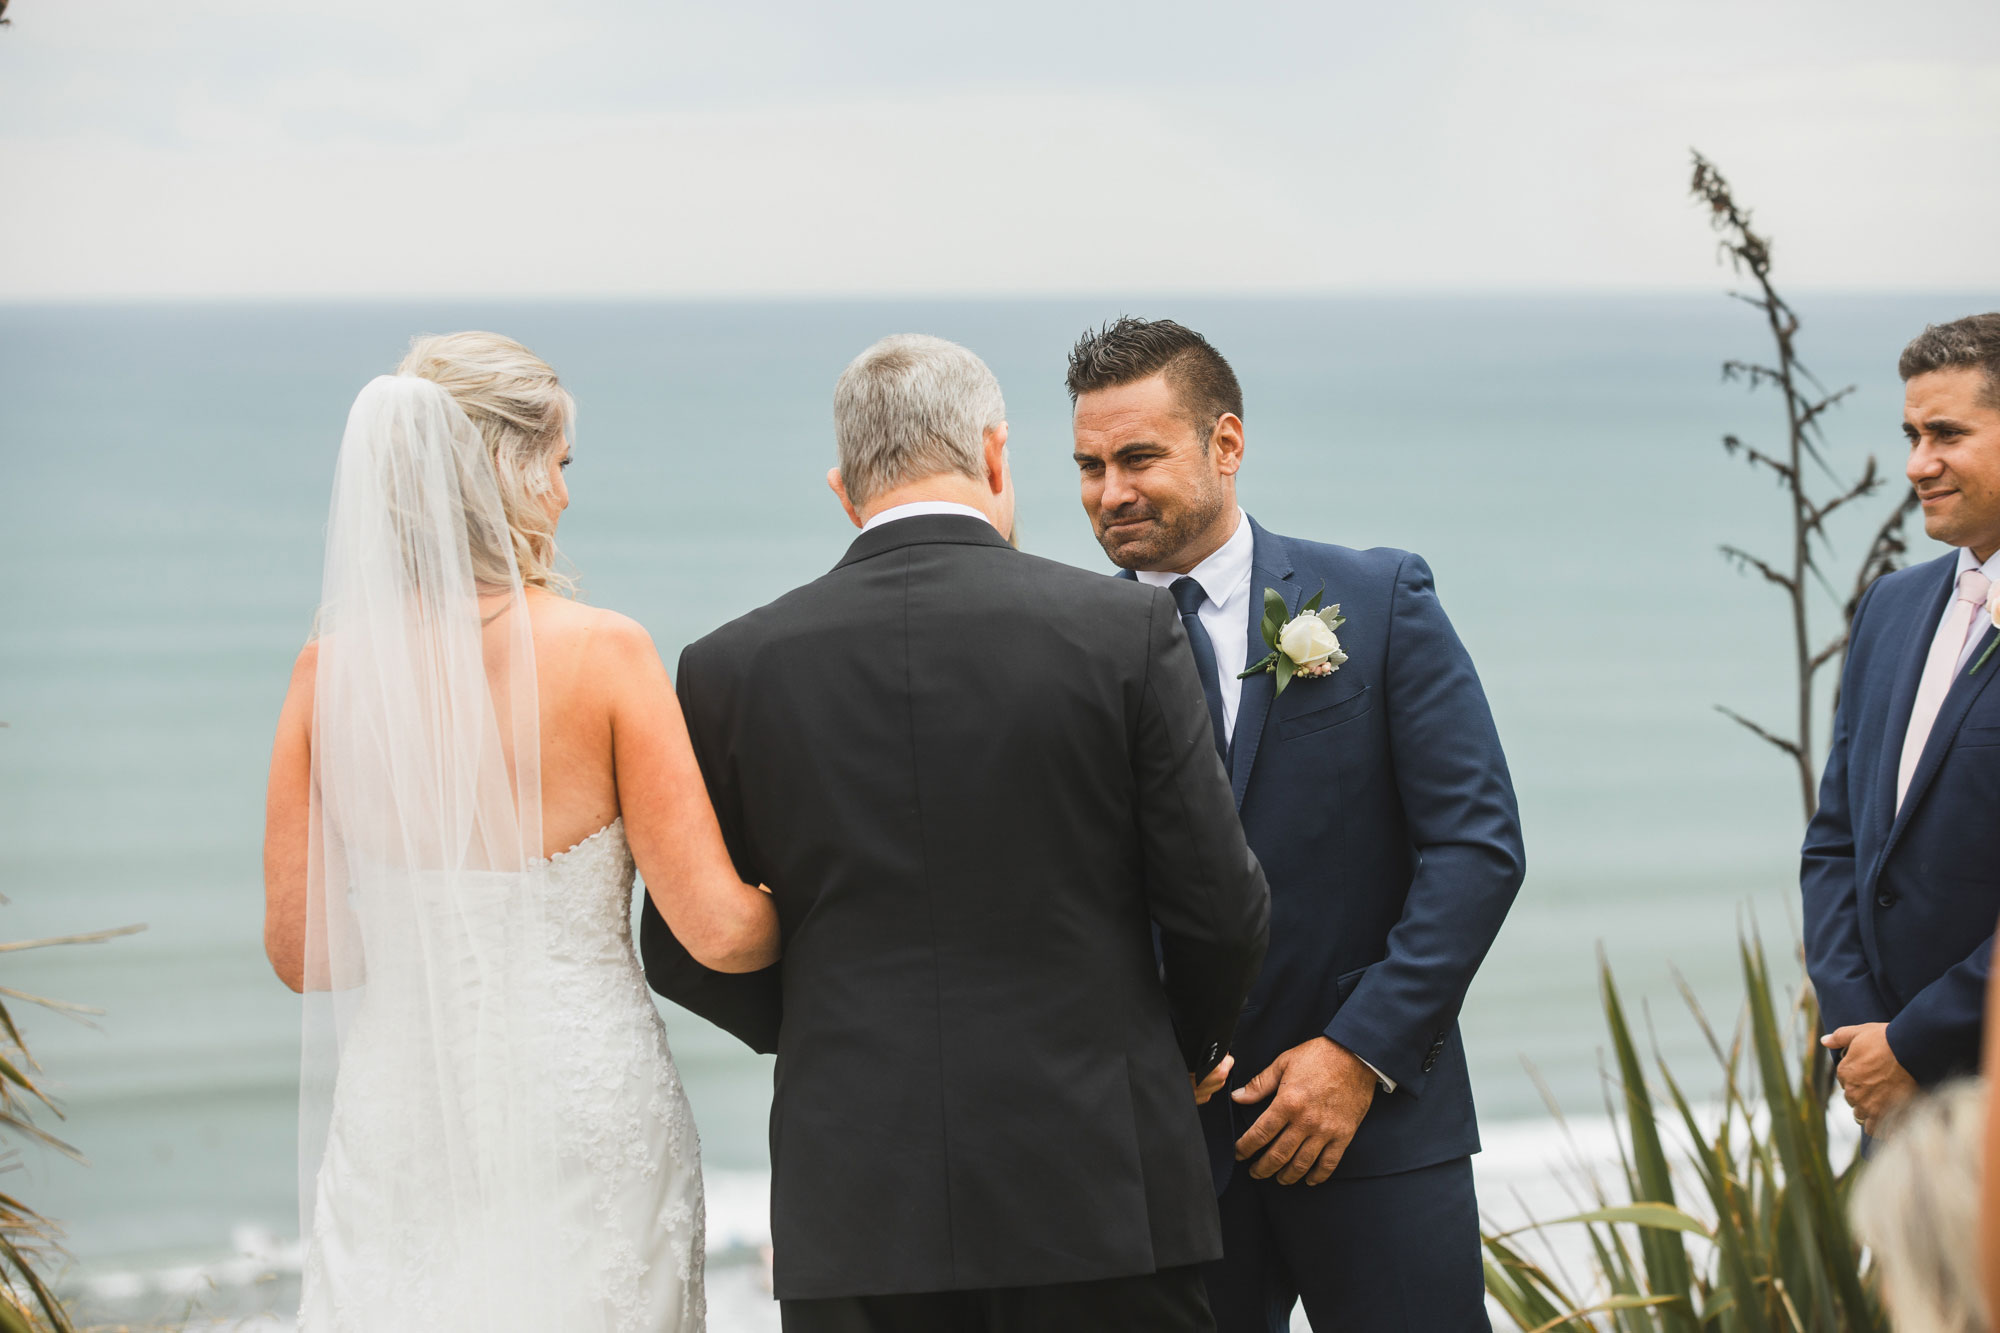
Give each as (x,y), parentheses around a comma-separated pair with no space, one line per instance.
(980,786)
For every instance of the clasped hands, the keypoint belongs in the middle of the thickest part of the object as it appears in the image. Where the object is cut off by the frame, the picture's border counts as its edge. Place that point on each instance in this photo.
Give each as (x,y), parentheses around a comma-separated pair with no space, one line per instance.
(1872,1079)
(1319,1093)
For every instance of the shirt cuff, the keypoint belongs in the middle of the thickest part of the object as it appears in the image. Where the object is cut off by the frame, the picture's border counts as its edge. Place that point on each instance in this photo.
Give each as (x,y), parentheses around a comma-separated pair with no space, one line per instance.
(1388,1084)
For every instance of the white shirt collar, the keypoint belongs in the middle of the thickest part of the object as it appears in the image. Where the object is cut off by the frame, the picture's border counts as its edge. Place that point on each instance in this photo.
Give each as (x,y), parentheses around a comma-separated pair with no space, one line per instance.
(1966,560)
(921,508)
(1226,573)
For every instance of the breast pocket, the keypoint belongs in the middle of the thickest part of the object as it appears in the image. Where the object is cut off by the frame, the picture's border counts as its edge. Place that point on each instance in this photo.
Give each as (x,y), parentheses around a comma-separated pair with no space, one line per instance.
(1973,738)
(1328,715)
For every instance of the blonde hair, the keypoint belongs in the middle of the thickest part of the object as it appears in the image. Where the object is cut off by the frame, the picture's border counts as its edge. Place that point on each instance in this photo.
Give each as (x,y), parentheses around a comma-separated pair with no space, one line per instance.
(1917,1207)
(524,415)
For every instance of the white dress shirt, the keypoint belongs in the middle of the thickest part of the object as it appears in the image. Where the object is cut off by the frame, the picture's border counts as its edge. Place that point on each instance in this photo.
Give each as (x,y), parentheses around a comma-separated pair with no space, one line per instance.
(919,508)
(1225,611)
(1991,569)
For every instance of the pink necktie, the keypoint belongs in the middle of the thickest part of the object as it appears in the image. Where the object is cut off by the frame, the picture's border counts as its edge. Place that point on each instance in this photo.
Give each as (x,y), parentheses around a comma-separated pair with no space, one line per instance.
(1940,669)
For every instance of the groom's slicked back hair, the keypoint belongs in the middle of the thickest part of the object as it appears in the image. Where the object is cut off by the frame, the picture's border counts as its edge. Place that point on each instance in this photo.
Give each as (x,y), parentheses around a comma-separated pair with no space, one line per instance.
(1128,350)
(911,407)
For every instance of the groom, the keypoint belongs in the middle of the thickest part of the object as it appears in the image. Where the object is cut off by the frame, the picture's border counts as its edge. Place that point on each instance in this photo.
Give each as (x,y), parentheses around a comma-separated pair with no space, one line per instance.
(979,785)
(1378,801)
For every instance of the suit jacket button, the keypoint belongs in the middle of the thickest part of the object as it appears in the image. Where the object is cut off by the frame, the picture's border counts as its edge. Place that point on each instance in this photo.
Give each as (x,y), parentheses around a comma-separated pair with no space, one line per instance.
(1430,1062)
(1886,900)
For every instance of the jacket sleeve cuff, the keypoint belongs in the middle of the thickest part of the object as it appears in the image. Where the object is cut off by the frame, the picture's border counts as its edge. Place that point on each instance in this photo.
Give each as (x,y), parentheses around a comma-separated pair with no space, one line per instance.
(1376,1051)
(1913,1050)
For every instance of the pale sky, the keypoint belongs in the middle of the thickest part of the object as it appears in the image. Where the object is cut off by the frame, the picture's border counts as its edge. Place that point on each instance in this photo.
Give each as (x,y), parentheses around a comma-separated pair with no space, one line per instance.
(637,148)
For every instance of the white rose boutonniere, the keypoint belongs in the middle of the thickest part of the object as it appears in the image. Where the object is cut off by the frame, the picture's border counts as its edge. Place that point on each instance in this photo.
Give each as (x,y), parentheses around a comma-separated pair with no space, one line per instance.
(1304,645)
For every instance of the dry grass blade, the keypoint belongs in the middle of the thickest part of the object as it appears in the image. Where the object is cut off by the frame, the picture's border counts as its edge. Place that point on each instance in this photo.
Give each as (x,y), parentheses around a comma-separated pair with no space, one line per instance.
(29,1241)
(91,937)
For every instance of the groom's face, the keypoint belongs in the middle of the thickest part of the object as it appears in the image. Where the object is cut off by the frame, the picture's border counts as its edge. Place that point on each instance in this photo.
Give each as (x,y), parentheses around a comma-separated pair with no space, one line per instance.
(1158,491)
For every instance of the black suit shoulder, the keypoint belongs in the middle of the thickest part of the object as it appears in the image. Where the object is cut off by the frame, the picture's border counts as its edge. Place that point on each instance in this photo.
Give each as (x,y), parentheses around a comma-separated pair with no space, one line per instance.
(756,631)
(1060,591)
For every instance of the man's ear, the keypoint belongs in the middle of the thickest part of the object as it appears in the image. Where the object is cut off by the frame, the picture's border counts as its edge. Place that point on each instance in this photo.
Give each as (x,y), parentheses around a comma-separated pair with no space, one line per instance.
(1226,443)
(996,458)
(839,488)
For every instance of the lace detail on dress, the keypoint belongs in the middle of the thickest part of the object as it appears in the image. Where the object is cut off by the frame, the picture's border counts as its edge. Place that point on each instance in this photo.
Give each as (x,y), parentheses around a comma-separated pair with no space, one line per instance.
(626,1233)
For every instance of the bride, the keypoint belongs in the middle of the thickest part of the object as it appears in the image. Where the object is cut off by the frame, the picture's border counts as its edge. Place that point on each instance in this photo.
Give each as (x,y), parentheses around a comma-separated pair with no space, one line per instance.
(467,767)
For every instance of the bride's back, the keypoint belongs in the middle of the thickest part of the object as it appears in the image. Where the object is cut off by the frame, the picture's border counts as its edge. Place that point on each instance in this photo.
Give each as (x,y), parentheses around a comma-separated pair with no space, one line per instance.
(580,656)
(524,417)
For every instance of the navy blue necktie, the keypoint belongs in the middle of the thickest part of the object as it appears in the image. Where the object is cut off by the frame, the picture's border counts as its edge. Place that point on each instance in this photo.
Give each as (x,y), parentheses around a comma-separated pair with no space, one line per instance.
(1189,595)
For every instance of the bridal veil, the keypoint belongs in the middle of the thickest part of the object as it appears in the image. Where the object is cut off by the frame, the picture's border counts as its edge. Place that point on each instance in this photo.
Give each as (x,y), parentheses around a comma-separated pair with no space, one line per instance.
(421,975)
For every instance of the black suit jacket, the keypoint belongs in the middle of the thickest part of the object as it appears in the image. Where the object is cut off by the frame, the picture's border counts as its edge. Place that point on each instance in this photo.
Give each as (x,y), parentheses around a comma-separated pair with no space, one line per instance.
(975,782)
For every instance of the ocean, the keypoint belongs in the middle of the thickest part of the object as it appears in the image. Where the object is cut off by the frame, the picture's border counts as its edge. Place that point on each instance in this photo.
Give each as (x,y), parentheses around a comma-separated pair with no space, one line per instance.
(1557,460)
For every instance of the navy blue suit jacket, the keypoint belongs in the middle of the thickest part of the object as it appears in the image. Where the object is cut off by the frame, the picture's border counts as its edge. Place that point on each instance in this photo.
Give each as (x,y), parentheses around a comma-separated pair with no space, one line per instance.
(1379,803)
(1900,906)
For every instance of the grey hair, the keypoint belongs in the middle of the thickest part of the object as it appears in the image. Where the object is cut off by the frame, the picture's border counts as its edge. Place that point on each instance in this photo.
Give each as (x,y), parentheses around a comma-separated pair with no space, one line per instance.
(1917,1207)
(911,407)
(1968,342)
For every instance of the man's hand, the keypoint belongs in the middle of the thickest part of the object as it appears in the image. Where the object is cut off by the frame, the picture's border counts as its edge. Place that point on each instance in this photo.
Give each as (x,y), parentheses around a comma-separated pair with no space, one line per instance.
(1208,1087)
(1874,1082)
(1319,1093)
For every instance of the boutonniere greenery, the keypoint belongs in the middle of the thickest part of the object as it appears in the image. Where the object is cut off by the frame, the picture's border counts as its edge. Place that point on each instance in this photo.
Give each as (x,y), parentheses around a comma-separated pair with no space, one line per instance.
(1993,614)
(1304,645)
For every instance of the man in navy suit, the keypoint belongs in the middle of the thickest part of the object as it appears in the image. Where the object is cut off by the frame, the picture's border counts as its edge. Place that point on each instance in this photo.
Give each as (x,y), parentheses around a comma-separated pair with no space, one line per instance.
(1900,875)
(1377,798)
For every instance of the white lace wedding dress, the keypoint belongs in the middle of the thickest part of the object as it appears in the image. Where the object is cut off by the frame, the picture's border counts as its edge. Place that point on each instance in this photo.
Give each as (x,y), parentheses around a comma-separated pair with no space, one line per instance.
(398,1240)
(491,1131)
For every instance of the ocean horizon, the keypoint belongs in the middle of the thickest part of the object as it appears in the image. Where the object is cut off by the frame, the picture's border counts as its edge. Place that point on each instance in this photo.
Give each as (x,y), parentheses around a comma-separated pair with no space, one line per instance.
(1555,458)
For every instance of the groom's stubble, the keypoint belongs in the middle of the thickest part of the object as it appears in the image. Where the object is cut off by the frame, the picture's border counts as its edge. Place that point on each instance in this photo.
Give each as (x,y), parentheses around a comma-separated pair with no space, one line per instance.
(1162,538)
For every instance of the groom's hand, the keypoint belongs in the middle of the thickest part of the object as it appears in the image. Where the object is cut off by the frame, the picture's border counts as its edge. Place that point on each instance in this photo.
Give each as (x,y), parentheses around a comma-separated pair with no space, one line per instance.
(1319,1092)
(1204,1088)
(1873,1080)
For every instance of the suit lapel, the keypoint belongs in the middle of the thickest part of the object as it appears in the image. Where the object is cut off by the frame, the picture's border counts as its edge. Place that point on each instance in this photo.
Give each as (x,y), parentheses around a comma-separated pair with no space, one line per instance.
(1964,691)
(1270,567)
(1903,700)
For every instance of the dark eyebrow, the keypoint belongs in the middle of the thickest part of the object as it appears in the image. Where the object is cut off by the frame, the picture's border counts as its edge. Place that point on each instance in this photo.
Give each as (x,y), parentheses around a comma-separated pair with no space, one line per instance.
(1137,447)
(1936,424)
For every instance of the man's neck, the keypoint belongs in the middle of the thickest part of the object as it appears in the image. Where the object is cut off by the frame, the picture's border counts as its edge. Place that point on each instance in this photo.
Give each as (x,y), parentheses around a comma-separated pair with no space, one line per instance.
(1212,541)
(938,490)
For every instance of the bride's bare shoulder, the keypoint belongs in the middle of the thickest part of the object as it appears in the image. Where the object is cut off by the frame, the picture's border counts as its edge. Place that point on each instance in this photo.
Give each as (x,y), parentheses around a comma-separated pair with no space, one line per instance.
(605,639)
(305,668)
